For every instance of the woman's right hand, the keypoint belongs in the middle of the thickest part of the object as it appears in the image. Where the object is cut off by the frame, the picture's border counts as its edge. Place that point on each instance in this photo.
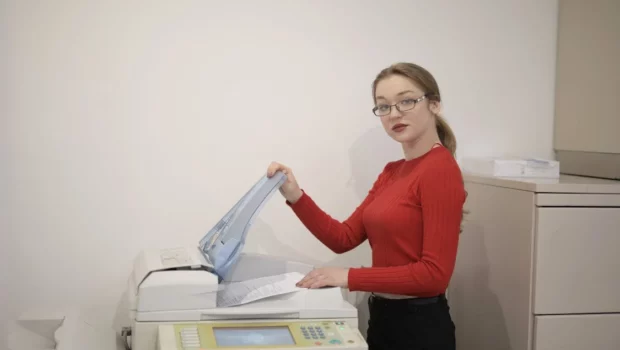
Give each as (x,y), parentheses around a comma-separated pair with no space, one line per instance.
(289,189)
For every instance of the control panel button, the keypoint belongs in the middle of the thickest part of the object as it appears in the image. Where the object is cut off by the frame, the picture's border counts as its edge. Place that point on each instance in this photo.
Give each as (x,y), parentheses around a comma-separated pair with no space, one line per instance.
(316,331)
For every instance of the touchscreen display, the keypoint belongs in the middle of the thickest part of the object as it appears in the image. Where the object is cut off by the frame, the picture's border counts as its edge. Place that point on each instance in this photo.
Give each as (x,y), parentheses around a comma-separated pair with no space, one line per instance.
(253,336)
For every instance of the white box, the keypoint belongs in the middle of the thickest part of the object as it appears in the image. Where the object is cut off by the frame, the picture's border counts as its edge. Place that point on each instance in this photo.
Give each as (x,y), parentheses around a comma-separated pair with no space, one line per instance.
(512,167)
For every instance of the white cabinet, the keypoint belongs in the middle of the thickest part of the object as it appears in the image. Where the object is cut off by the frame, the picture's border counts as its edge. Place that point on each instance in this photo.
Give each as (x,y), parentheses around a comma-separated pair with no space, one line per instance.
(577,332)
(577,259)
(538,266)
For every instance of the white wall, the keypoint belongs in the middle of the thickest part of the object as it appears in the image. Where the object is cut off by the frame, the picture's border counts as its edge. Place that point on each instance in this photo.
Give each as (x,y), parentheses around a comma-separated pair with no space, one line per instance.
(134,125)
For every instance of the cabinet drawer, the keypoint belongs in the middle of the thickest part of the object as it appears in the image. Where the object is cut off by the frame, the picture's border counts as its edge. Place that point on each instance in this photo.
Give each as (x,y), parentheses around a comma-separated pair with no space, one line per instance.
(577,332)
(577,261)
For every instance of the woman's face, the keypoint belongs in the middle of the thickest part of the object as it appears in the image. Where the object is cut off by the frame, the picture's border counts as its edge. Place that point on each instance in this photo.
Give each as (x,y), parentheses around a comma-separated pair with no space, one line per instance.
(417,117)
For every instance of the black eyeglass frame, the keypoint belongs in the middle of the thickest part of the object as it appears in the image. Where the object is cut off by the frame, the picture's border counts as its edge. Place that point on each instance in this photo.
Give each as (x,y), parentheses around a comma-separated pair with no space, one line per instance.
(415,103)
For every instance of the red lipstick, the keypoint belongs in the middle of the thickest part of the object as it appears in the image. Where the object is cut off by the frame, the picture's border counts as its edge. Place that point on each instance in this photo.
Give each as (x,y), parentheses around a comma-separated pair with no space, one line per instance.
(399,127)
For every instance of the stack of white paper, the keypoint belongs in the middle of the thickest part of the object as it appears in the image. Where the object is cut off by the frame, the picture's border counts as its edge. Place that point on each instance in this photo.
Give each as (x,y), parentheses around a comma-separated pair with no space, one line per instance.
(512,167)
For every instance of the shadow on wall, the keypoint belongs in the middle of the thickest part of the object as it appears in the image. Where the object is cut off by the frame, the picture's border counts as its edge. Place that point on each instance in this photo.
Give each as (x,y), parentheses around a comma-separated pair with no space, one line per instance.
(368,156)
(476,323)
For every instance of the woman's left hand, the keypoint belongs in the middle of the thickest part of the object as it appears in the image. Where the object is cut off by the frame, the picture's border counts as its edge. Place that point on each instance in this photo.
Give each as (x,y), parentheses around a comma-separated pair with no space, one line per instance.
(326,277)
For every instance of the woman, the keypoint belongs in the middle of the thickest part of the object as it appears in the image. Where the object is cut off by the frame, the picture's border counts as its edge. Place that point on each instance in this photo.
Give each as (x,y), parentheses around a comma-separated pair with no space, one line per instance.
(411,217)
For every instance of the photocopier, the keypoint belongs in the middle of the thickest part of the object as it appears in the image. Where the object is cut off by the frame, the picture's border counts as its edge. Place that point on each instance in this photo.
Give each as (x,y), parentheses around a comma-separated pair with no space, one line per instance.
(173,296)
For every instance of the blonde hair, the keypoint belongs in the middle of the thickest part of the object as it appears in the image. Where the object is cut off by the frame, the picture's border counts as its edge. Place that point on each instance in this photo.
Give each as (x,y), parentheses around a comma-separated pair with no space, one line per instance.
(425,81)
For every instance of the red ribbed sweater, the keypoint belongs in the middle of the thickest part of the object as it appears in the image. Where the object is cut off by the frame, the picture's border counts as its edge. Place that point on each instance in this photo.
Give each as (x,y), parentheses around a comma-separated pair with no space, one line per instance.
(411,218)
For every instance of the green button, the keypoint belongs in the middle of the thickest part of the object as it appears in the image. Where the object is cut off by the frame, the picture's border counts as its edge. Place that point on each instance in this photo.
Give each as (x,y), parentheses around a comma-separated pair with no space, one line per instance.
(334,341)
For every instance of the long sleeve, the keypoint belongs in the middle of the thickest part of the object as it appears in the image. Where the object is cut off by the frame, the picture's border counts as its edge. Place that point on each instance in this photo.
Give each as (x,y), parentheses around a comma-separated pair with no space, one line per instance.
(442,195)
(338,236)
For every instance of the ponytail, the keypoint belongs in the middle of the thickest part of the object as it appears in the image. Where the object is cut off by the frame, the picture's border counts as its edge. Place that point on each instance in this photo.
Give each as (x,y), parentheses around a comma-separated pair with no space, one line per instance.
(447,138)
(446,135)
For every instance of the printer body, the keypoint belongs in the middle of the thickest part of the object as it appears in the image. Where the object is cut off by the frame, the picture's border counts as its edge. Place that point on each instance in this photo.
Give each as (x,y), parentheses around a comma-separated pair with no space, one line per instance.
(171,299)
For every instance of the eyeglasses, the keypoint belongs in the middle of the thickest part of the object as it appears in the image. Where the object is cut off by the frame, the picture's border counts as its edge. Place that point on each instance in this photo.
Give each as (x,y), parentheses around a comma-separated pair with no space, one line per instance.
(402,106)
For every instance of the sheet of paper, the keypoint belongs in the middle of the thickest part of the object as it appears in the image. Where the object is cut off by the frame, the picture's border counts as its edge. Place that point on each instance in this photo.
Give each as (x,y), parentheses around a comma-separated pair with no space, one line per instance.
(244,292)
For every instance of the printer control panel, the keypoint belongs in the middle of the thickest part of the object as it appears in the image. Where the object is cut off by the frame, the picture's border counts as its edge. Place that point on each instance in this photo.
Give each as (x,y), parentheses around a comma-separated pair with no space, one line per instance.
(332,334)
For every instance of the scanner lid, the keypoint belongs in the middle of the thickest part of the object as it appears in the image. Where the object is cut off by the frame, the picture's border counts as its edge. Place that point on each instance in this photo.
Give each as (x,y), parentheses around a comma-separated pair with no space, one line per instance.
(223,244)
